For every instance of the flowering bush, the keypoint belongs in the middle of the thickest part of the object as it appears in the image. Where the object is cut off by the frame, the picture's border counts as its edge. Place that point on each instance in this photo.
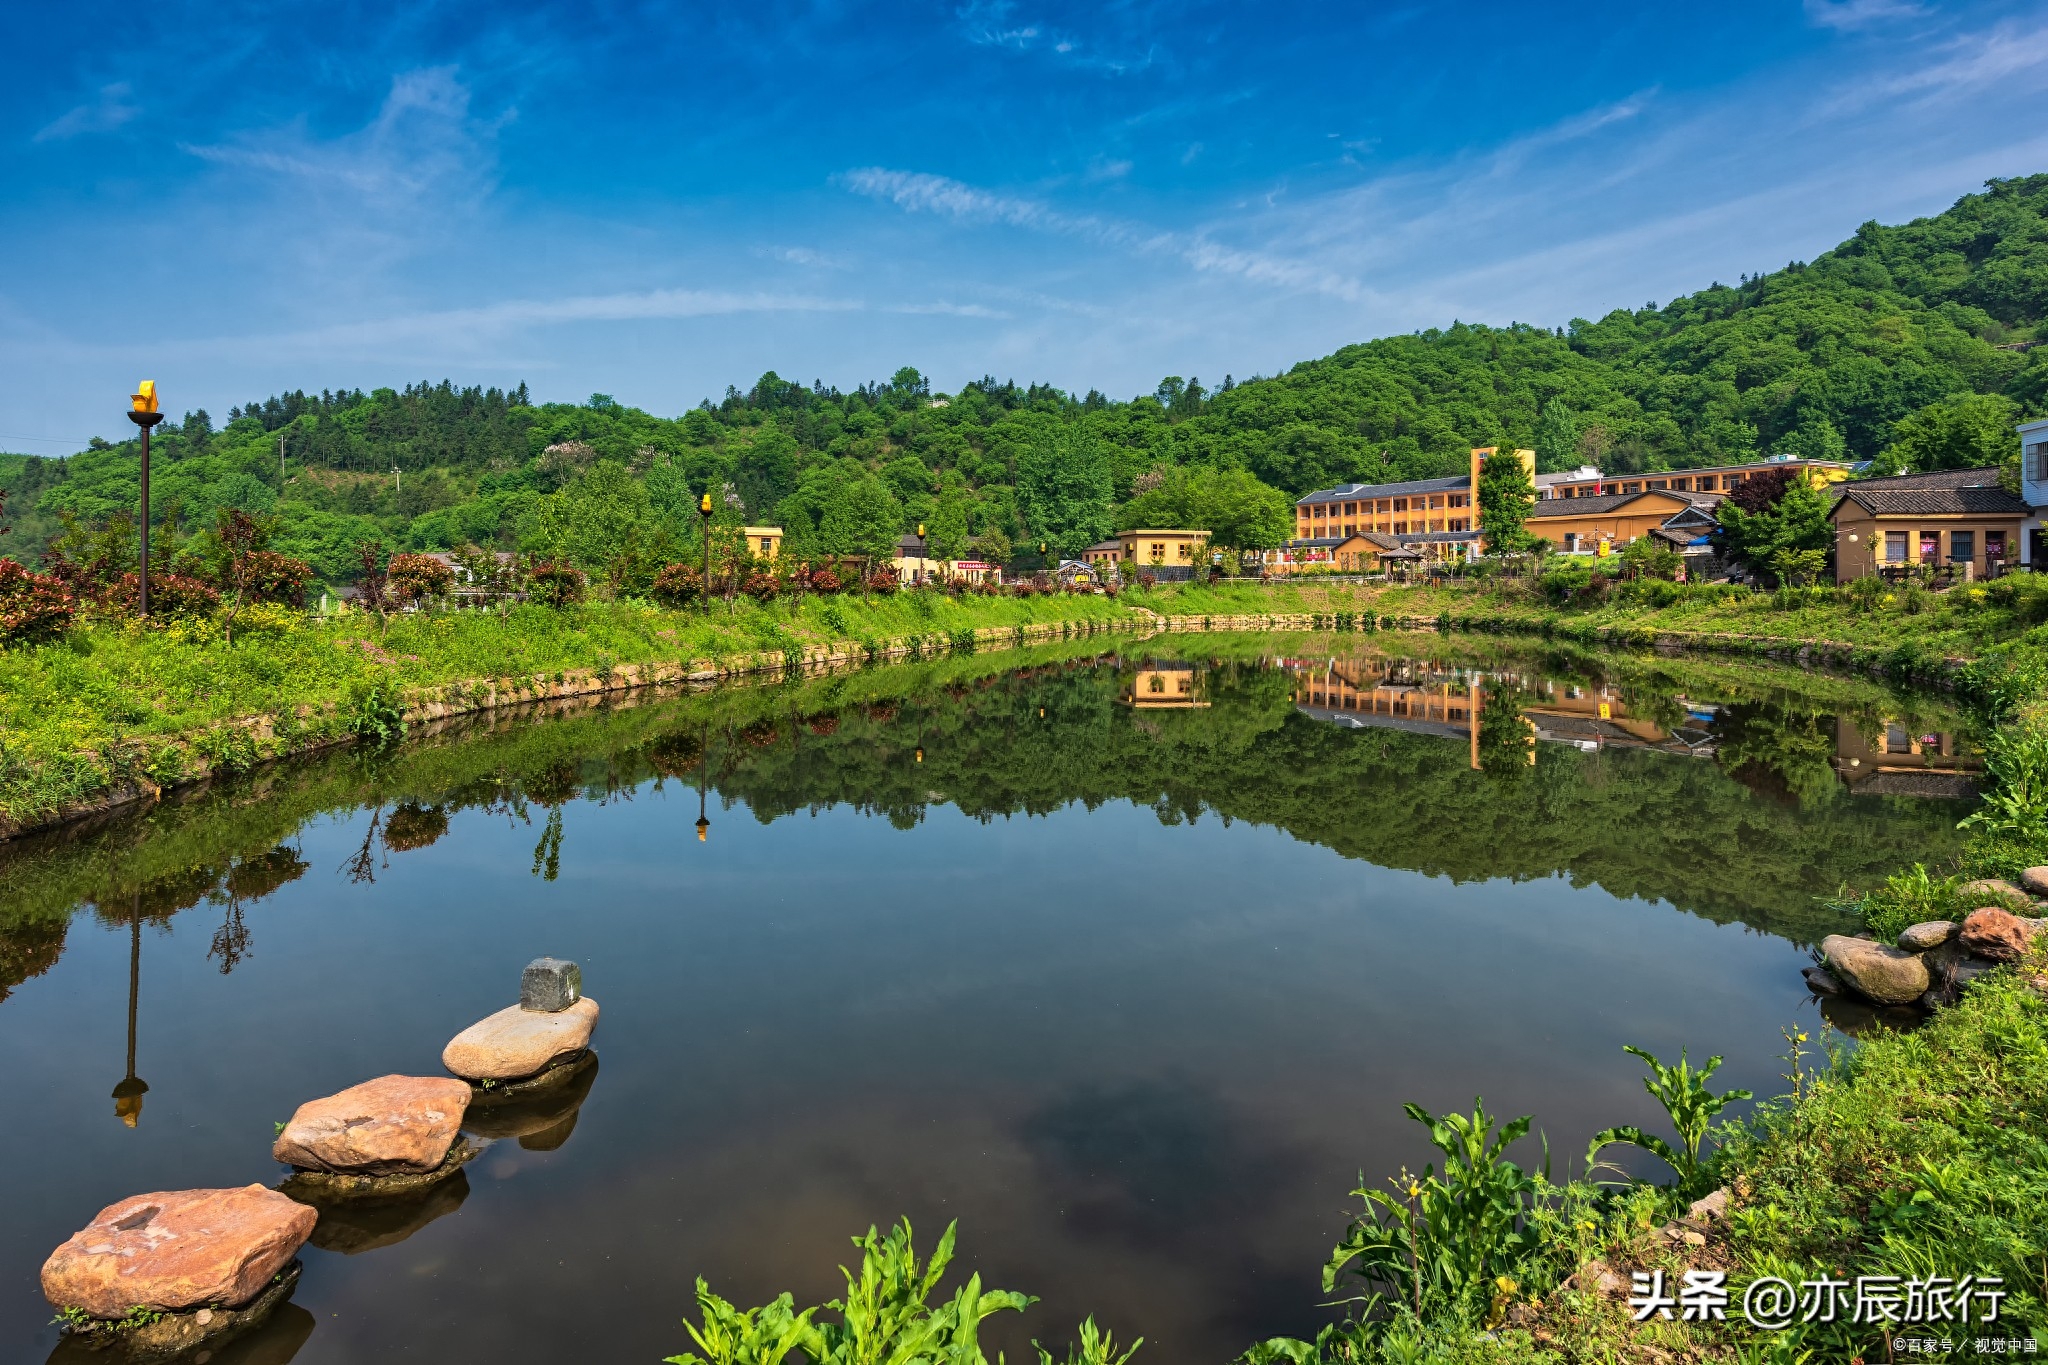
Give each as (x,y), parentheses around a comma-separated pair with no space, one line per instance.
(412,578)
(32,605)
(170,594)
(825,581)
(762,587)
(555,585)
(883,581)
(677,586)
(268,576)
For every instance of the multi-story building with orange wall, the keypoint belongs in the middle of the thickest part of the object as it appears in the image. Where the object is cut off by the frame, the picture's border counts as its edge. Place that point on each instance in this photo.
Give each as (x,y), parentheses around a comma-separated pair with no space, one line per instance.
(1437,517)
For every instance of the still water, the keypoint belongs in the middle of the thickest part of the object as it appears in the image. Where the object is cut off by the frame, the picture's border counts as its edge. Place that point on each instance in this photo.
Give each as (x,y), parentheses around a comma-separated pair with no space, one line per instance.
(1126,962)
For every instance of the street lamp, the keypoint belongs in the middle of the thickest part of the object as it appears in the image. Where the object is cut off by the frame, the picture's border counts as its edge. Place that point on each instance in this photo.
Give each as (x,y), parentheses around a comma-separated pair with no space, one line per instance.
(920,552)
(142,411)
(128,1092)
(704,524)
(703,757)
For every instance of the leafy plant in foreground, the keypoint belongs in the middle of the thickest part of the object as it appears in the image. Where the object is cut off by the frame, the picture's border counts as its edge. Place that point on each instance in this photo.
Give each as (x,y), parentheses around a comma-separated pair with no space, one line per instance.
(1683,1093)
(1448,1238)
(884,1319)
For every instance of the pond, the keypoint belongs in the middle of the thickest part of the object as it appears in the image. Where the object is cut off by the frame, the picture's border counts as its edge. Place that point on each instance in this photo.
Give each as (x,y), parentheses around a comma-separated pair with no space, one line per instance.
(1125,961)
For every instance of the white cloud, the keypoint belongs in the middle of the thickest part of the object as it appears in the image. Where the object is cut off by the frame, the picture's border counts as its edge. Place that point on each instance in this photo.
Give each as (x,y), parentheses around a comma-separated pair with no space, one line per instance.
(1976,61)
(112,109)
(1846,15)
(920,192)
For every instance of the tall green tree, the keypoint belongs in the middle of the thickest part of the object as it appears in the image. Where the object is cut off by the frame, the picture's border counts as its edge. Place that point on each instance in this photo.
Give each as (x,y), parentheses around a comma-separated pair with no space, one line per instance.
(1065,486)
(1232,505)
(1968,431)
(1506,493)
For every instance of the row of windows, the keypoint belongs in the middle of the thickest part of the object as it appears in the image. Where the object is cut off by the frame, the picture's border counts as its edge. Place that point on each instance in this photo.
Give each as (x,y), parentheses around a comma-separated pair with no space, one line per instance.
(1383,506)
(1962,546)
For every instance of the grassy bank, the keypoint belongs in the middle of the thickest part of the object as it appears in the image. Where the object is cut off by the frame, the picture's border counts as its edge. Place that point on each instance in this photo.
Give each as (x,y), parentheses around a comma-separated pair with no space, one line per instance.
(111,704)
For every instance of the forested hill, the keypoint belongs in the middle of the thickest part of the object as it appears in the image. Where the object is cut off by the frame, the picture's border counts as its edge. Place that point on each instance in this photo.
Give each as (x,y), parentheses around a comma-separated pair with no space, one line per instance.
(1903,343)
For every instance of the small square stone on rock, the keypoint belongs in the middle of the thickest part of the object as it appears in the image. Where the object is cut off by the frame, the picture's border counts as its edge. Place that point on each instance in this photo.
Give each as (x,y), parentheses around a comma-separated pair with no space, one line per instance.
(550,985)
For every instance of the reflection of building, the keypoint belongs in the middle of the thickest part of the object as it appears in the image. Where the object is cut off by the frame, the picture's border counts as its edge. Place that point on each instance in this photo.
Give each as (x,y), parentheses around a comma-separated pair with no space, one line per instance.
(1164,686)
(1399,695)
(1898,761)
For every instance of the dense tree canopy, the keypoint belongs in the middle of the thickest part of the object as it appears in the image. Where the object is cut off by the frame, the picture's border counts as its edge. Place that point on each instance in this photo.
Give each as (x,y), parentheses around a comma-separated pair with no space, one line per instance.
(1904,344)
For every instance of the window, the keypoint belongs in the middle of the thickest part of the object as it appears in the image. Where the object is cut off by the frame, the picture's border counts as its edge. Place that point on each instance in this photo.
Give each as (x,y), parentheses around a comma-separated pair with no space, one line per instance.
(1994,545)
(1350,509)
(2037,461)
(1962,546)
(1400,504)
(1930,547)
(1894,547)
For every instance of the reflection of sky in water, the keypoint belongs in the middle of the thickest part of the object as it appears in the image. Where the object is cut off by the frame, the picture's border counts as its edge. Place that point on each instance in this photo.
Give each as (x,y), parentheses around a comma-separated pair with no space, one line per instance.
(1141,1063)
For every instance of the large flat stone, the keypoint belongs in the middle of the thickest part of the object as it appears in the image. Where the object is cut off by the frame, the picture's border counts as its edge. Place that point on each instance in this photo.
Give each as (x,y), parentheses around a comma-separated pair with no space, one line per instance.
(1886,975)
(178,1249)
(1918,938)
(392,1125)
(515,1043)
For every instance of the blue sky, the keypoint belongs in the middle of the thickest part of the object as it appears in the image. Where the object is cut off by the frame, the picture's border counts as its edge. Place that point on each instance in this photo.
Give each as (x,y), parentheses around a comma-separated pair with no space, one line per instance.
(657,201)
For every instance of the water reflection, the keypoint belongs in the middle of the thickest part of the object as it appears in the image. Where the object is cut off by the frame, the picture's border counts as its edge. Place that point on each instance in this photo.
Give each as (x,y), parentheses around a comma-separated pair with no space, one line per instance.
(958,953)
(1872,755)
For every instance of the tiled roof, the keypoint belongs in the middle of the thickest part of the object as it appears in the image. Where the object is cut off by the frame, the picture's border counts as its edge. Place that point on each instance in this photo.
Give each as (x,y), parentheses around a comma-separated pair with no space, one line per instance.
(1939,478)
(1607,502)
(1344,492)
(1105,547)
(1934,502)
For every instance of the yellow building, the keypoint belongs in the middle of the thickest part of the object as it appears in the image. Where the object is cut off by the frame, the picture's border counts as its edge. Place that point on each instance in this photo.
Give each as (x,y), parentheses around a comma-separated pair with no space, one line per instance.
(1439,518)
(1163,549)
(763,542)
(1958,520)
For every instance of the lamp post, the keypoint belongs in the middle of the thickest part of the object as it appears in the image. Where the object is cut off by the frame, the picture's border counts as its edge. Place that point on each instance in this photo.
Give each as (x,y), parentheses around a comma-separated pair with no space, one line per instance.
(920,552)
(142,411)
(703,757)
(704,524)
(128,1092)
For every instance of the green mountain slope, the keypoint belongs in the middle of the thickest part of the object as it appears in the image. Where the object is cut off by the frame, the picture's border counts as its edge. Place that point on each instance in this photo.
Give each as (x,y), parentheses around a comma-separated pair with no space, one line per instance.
(1907,338)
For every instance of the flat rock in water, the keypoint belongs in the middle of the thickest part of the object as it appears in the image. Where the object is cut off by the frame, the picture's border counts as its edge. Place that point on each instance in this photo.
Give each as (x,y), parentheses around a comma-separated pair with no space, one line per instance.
(391,1125)
(1887,975)
(178,1249)
(1933,933)
(515,1042)
(1821,981)
(1996,934)
(2035,880)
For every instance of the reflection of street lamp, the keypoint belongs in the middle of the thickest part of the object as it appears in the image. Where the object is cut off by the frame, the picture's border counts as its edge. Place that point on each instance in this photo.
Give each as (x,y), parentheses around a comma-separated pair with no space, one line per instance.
(704,520)
(703,755)
(142,411)
(129,1092)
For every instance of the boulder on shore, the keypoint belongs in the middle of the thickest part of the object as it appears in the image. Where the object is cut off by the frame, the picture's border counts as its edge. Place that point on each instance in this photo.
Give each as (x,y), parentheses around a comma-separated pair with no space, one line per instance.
(1918,938)
(1889,976)
(178,1249)
(2035,881)
(1996,934)
(392,1125)
(1994,889)
(516,1042)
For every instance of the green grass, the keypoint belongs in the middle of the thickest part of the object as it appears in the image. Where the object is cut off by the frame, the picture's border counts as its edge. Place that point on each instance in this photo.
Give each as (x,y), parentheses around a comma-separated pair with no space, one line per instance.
(111,702)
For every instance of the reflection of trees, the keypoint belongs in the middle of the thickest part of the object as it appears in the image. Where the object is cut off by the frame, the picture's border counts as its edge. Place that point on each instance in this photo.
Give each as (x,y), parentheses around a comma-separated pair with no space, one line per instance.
(412,825)
(249,879)
(1779,753)
(1034,740)
(1506,738)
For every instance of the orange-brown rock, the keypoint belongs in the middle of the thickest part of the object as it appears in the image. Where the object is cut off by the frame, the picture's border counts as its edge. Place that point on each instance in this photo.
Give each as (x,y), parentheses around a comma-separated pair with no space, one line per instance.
(1997,934)
(391,1125)
(515,1043)
(178,1249)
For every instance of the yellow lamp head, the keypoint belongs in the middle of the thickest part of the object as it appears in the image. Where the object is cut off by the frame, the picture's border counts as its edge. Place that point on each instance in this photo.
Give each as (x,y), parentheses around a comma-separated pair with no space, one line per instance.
(144,397)
(920,530)
(704,504)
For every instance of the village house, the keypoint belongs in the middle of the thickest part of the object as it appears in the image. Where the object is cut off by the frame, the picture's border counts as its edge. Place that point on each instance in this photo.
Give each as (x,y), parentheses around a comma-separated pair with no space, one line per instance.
(1956,521)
